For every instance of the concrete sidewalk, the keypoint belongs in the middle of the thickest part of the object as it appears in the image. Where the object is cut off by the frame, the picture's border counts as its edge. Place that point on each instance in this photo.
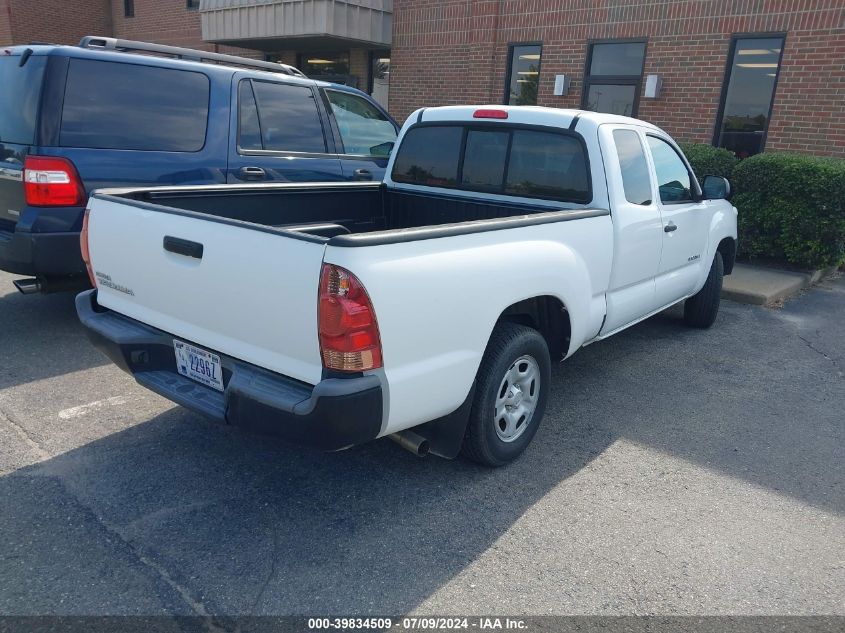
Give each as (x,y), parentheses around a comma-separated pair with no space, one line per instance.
(765,286)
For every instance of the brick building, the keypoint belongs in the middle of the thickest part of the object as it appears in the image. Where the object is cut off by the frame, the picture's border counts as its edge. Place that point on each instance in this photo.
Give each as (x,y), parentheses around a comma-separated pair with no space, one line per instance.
(744,74)
(346,41)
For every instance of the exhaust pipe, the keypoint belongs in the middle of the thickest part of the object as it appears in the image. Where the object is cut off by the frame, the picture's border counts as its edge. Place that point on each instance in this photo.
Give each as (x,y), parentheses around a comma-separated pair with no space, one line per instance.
(410,441)
(27,286)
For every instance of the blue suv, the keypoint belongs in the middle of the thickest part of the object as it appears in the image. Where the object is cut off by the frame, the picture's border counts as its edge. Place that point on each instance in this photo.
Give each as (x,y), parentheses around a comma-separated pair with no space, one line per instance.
(111,113)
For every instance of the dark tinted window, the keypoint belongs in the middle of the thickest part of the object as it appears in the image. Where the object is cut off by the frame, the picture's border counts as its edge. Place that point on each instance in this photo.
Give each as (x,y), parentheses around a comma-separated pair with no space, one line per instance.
(429,156)
(547,165)
(289,118)
(540,164)
(524,76)
(635,178)
(324,64)
(612,99)
(622,58)
(673,179)
(249,131)
(125,106)
(744,119)
(613,77)
(20,89)
(484,159)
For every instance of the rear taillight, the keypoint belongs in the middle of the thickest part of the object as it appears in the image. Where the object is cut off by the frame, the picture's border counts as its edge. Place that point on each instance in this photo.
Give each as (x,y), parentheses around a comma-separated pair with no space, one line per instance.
(349,337)
(49,181)
(83,246)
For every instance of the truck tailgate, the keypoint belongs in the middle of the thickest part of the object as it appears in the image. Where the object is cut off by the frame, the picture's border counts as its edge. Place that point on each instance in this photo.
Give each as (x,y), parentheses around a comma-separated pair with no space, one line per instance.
(250,294)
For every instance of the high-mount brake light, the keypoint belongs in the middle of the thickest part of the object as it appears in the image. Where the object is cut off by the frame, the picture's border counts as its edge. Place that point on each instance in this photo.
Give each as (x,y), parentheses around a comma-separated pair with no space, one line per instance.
(489,113)
(348,331)
(50,181)
(83,246)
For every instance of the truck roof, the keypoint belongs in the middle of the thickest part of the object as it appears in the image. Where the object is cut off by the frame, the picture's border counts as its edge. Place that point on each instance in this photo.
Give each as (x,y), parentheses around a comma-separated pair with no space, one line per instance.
(527,115)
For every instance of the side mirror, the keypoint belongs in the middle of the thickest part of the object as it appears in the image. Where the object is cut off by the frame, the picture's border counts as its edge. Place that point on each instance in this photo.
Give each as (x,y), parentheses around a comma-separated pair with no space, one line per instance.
(716,188)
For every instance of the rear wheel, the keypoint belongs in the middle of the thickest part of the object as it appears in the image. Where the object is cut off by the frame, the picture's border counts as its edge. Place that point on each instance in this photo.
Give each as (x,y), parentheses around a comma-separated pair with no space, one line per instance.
(510,395)
(701,309)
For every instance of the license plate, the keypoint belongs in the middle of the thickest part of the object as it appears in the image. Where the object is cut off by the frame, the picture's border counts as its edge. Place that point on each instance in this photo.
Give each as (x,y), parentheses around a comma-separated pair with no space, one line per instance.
(198,364)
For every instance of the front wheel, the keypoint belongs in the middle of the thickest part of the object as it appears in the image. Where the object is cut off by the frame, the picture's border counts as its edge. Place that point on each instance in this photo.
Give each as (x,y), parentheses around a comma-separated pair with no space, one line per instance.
(700,310)
(510,396)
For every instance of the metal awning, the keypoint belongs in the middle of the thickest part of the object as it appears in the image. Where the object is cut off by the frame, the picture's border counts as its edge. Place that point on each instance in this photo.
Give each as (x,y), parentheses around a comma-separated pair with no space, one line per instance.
(303,24)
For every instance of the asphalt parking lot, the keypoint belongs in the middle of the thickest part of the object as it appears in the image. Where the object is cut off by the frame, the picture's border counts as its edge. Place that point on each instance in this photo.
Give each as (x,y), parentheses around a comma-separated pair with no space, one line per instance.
(677,471)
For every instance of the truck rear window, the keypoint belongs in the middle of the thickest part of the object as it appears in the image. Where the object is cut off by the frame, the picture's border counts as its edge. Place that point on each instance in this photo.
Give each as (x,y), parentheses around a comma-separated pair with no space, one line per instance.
(128,106)
(20,90)
(496,159)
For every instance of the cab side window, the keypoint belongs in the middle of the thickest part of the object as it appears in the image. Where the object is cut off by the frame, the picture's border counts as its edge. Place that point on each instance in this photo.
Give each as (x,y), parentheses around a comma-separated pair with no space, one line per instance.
(635,178)
(249,129)
(290,121)
(363,128)
(673,178)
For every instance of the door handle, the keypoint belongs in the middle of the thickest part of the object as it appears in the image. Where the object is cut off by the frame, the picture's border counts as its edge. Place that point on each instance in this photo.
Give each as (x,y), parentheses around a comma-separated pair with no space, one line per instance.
(183,247)
(252,173)
(670,227)
(363,174)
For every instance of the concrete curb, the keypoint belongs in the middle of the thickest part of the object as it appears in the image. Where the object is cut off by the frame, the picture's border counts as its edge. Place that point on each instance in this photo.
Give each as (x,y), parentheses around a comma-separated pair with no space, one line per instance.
(765,286)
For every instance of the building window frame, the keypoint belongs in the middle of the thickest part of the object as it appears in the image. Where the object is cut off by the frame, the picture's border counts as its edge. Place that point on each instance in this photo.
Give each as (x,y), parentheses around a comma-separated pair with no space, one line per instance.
(509,73)
(192,5)
(614,80)
(129,8)
(726,80)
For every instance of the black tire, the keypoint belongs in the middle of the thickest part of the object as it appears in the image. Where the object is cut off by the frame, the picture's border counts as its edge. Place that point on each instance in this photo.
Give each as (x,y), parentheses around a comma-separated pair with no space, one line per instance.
(508,344)
(701,309)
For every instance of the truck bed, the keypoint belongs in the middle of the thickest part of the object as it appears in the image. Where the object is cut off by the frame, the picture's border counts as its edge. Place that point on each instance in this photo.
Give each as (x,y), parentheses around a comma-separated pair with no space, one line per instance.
(330,210)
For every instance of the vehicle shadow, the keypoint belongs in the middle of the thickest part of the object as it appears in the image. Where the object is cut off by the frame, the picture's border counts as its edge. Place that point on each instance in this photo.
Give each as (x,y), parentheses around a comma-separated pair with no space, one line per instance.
(41,337)
(178,512)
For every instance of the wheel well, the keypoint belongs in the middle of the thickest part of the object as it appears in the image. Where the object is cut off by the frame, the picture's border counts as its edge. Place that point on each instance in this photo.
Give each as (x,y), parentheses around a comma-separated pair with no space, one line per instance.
(727,247)
(548,316)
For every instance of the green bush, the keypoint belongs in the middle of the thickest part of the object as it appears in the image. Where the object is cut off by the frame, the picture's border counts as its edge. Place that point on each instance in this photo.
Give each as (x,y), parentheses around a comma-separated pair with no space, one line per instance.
(708,160)
(791,208)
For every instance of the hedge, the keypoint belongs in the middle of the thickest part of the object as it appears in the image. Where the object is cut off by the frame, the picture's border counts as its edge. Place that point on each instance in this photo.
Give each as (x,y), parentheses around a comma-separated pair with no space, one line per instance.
(791,208)
(708,160)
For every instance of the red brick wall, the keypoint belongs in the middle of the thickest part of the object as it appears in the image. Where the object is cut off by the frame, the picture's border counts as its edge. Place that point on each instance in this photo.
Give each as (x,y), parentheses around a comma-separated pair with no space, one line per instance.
(455,51)
(5,23)
(52,20)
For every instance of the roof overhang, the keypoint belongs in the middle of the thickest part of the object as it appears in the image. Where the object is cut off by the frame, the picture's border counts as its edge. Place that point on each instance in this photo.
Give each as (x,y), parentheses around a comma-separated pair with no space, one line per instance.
(270,25)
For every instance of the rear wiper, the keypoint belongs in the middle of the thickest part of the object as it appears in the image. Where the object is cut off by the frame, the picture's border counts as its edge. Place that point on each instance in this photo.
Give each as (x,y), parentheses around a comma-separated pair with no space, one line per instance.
(25,57)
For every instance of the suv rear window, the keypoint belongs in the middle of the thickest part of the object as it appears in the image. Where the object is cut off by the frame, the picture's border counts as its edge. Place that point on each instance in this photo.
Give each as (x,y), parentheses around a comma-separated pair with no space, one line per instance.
(20,90)
(521,162)
(109,105)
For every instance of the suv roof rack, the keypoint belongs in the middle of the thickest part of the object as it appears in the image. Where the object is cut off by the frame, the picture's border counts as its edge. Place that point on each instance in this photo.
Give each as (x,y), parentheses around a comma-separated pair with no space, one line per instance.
(131,46)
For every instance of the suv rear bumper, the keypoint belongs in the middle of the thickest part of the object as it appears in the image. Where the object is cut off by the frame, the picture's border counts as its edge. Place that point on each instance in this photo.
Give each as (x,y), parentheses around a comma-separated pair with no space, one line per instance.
(334,414)
(41,254)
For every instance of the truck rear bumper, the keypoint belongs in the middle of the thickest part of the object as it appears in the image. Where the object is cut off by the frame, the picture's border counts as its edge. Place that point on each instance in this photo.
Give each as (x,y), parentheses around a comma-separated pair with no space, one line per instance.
(41,254)
(334,414)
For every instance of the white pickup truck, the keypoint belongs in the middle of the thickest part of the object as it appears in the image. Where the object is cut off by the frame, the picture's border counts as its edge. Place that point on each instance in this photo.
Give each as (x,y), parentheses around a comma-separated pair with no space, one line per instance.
(426,308)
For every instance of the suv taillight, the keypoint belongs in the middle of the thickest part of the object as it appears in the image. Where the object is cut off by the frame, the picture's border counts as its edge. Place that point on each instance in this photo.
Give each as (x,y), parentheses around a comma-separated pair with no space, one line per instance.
(83,246)
(349,336)
(49,181)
